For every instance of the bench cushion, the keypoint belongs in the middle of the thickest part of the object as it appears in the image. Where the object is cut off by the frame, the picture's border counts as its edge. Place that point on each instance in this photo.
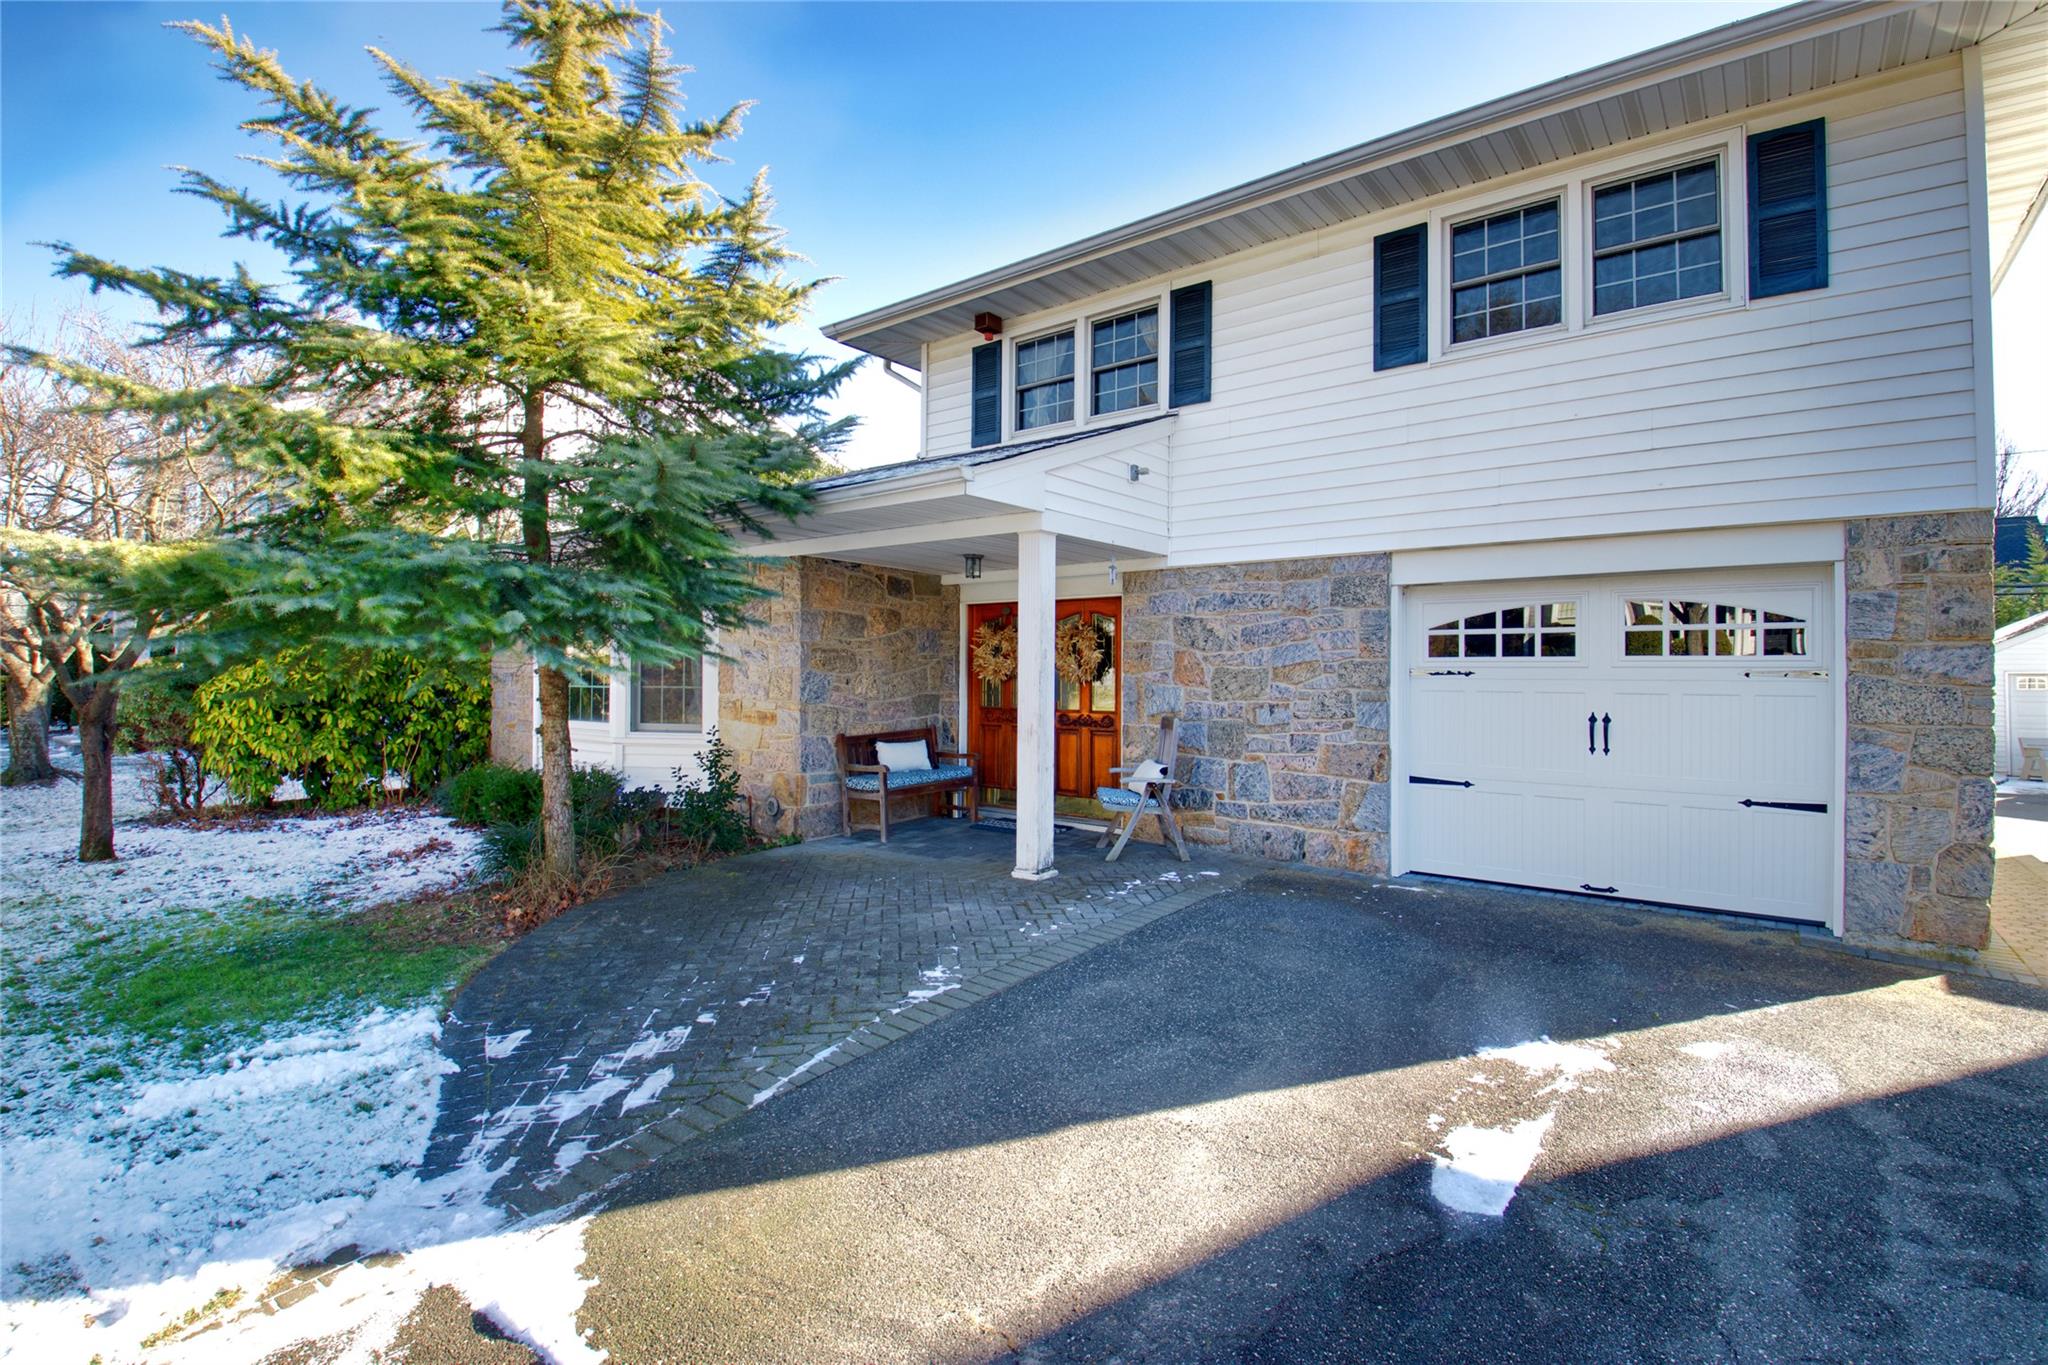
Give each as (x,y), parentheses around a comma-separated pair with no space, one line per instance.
(903,779)
(1117,798)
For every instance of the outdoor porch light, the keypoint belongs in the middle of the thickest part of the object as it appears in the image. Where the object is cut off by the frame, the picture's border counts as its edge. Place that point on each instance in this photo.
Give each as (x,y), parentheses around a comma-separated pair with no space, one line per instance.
(973,565)
(989,325)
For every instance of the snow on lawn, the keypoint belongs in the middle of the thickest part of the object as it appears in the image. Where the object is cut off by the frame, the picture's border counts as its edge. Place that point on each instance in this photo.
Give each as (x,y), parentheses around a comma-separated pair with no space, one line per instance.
(49,901)
(157,1183)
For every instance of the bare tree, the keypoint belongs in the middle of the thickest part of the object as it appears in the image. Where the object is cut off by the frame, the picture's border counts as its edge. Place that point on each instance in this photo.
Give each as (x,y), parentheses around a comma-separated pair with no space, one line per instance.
(2020,491)
(74,470)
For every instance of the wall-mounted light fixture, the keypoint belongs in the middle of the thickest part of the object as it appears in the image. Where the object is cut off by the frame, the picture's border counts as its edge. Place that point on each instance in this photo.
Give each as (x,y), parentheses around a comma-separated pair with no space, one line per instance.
(989,325)
(973,565)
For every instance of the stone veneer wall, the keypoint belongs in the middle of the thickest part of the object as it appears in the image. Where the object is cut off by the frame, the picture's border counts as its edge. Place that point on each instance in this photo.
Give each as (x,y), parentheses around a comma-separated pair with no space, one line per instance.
(1278,671)
(758,706)
(1920,740)
(843,649)
(880,653)
(513,716)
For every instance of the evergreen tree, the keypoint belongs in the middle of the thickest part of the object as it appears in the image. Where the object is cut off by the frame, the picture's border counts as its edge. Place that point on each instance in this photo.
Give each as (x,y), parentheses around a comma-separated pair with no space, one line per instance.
(518,390)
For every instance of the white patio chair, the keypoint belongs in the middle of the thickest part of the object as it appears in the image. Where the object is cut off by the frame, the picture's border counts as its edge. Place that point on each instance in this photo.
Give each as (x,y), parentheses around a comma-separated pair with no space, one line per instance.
(1146,796)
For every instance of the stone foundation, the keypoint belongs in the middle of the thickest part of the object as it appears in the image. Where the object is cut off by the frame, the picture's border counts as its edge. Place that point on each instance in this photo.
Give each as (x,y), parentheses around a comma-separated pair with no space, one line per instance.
(1919,627)
(842,649)
(1278,671)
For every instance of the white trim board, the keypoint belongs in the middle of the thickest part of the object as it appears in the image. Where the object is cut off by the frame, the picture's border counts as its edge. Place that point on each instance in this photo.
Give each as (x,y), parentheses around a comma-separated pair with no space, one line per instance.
(1736,547)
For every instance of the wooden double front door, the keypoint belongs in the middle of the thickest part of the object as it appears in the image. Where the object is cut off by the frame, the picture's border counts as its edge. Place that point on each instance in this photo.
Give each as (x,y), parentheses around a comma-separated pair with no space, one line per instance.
(1086,734)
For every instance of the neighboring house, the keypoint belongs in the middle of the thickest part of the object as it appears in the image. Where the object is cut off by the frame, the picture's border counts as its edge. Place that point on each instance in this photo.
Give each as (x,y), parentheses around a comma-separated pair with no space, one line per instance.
(2022,683)
(2014,541)
(1589,490)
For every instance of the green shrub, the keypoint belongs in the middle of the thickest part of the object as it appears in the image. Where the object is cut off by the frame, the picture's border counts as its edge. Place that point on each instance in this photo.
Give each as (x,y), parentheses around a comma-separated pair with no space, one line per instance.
(338,722)
(710,811)
(492,794)
(605,816)
(155,720)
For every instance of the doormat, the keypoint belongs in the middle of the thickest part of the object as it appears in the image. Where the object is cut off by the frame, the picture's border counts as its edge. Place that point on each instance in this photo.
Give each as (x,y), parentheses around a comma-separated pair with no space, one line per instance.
(1062,824)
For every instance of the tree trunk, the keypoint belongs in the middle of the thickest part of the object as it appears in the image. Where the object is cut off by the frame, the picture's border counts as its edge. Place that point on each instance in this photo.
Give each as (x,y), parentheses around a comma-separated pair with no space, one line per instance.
(96,747)
(557,819)
(557,824)
(28,735)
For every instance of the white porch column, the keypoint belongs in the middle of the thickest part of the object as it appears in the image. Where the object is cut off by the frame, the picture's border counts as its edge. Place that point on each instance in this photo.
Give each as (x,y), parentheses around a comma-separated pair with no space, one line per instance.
(1036,589)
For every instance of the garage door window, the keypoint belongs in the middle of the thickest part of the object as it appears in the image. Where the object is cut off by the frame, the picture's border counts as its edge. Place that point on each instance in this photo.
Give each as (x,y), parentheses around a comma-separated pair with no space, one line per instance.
(1547,630)
(1668,628)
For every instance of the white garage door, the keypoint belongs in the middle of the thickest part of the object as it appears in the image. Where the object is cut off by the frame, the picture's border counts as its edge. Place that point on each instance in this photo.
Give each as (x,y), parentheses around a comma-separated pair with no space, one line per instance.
(1661,738)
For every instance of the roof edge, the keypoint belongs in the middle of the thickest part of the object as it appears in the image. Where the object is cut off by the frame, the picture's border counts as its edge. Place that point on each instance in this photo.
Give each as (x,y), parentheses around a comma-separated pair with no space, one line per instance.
(1655,62)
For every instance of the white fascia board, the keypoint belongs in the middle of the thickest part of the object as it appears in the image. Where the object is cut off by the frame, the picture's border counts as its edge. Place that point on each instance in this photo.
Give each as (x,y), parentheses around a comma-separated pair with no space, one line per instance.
(1734,547)
(1728,43)
(968,528)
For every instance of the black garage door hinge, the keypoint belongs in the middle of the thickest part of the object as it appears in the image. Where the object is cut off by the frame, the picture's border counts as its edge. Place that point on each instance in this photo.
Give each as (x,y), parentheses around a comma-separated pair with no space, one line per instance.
(1817,807)
(1599,890)
(1436,782)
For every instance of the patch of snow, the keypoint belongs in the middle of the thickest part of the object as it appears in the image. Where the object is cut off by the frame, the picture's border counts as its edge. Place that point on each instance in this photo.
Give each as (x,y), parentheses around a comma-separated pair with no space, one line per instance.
(1208,874)
(1485,1166)
(937,981)
(648,1044)
(2012,837)
(49,901)
(798,960)
(1544,1057)
(497,1047)
(648,1090)
(526,1279)
(707,1018)
(784,1082)
(134,1196)
(1709,1051)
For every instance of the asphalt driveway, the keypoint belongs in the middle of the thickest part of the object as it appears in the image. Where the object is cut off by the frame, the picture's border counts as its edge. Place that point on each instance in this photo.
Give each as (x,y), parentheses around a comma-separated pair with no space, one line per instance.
(1254,1131)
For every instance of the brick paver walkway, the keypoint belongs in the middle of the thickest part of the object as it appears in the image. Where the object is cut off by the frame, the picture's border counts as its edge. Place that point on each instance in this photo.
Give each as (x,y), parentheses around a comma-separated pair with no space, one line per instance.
(2019,918)
(605,1038)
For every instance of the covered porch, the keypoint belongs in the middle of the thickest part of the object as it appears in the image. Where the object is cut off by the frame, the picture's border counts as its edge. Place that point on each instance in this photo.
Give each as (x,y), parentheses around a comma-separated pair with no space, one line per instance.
(1033,524)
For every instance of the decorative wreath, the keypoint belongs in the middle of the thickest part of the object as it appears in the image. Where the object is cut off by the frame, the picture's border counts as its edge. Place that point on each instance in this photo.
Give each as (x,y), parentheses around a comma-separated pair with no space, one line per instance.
(1082,650)
(995,650)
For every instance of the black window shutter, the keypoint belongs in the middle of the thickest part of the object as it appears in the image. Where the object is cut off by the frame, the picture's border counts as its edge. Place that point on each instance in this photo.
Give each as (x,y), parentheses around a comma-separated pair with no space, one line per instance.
(988,394)
(1400,299)
(1189,307)
(1788,210)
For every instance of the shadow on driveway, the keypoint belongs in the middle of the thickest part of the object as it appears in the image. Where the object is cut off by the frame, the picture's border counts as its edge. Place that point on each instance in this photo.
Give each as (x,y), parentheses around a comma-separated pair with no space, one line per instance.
(1221,1138)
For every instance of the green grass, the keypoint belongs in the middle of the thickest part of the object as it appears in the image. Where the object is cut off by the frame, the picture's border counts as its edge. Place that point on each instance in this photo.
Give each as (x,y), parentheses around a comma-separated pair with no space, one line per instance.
(237,976)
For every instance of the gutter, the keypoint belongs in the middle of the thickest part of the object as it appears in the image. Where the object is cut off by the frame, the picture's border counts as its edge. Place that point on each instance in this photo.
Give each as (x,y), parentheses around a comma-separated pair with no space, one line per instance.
(1656,64)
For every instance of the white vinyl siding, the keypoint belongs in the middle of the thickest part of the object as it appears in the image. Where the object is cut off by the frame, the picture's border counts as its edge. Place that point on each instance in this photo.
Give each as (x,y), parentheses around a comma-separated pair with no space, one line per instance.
(1855,400)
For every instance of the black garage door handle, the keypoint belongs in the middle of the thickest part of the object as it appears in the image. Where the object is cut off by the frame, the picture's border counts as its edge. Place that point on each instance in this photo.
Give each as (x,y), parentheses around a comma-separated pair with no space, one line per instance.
(1591,720)
(1605,721)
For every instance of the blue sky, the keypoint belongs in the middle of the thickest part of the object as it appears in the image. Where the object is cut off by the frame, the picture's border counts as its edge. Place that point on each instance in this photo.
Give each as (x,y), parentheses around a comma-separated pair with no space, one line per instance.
(909,144)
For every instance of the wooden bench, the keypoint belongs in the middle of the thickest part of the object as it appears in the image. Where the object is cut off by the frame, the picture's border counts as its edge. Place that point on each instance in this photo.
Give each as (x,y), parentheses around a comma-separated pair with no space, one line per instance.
(863,779)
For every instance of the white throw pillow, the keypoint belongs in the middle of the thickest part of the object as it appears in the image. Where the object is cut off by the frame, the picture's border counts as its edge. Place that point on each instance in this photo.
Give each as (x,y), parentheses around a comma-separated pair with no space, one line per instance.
(1144,774)
(905,756)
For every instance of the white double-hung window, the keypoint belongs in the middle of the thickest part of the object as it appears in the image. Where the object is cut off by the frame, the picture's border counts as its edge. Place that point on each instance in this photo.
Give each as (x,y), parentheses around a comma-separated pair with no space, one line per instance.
(1505,274)
(1123,361)
(669,696)
(1657,238)
(1045,381)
